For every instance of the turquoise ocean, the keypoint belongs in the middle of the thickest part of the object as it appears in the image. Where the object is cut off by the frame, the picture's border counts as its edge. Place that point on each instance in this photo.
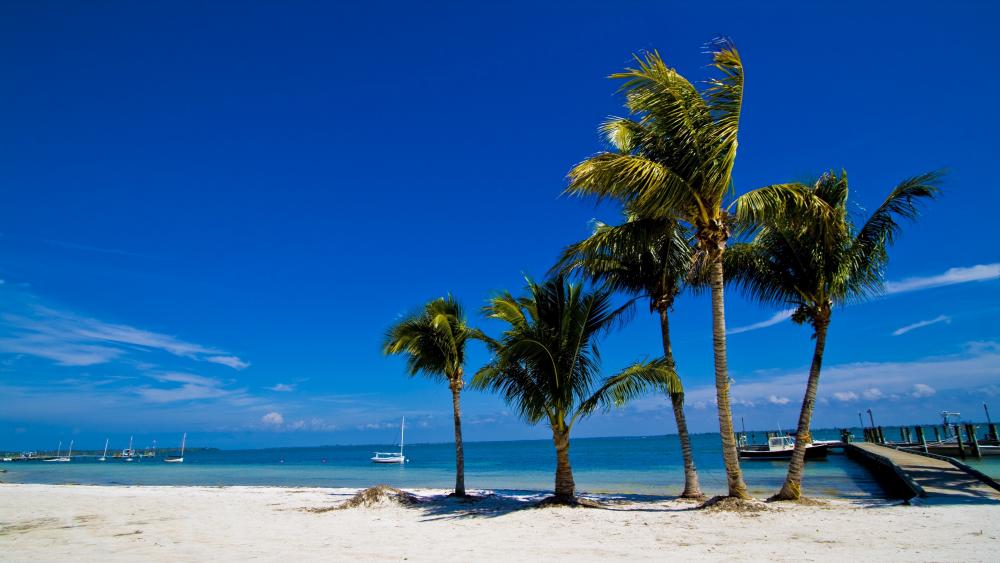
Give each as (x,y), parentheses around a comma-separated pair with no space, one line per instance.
(622,465)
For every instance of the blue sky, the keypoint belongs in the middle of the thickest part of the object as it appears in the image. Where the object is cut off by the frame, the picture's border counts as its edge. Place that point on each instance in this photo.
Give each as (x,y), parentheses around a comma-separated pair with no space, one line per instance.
(212,212)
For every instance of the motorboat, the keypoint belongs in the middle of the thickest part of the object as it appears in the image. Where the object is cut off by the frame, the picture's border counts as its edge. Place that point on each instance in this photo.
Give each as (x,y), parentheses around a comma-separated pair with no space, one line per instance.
(780,447)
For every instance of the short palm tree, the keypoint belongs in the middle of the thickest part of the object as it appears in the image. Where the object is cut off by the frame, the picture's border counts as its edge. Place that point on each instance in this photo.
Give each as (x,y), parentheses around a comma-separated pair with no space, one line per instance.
(648,258)
(815,262)
(546,363)
(433,341)
(673,160)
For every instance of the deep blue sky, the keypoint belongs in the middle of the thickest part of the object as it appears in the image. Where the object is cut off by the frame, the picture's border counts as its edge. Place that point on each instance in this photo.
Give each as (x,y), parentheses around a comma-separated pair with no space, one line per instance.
(212,211)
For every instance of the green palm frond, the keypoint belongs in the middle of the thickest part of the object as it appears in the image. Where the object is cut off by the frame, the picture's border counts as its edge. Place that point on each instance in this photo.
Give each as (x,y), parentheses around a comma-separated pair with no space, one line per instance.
(432,340)
(640,257)
(545,363)
(806,251)
(675,152)
(632,382)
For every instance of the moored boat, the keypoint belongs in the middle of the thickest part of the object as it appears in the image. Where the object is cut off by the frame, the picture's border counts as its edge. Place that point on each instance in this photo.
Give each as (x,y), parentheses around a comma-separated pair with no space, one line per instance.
(781,447)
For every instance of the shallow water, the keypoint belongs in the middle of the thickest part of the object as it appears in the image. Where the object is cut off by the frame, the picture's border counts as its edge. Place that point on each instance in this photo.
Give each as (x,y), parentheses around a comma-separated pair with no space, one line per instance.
(635,465)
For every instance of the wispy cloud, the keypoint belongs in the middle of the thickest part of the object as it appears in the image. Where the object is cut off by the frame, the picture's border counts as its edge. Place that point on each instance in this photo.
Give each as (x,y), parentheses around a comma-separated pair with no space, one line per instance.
(75,340)
(231,361)
(952,276)
(939,319)
(775,319)
(282,387)
(976,367)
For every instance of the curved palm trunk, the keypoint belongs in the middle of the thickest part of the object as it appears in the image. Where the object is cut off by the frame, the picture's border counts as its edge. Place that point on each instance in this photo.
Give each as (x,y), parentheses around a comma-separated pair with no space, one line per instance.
(792,489)
(734,476)
(456,389)
(565,487)
(691,487)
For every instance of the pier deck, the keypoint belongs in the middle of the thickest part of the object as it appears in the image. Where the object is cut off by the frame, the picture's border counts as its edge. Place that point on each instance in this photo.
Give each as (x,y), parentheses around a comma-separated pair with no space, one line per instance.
(935,480)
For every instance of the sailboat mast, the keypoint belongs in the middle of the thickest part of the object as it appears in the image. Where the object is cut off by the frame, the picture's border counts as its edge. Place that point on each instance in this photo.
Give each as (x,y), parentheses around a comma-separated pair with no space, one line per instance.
(402,431)
(70,449)
(106,440)
(59,449)
(183,442)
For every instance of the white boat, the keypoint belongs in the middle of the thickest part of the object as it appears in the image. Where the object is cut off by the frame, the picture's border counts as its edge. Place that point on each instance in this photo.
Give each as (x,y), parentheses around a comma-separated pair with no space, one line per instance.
(180,458)
(393,457)
(63,458)
(127,454)
(104,456)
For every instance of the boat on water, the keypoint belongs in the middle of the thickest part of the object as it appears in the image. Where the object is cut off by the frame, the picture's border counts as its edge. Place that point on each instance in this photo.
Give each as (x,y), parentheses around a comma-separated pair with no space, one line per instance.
(62,458)
(780,447)
(393,457)
(128,454)
(180,458)
(104,456)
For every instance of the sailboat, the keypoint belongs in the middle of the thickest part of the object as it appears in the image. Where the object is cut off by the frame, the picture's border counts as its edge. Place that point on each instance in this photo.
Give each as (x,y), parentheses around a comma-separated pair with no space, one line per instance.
(104,456)
(62,458)
(180,458)
(393,457)
(128,454)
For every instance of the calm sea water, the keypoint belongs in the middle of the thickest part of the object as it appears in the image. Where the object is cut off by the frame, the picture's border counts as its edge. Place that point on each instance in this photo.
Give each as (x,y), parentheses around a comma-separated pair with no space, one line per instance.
(637,465)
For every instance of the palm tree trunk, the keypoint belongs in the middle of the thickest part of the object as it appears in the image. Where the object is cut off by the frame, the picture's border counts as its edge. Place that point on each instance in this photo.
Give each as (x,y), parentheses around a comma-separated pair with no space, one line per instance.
(565,487)
(792,489)
(456,389)
(691,487)
(734,476)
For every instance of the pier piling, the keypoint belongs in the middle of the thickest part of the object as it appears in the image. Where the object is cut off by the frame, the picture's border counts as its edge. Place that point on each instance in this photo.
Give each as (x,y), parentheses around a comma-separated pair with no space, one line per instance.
(970,431)
(920,437)
(961,446)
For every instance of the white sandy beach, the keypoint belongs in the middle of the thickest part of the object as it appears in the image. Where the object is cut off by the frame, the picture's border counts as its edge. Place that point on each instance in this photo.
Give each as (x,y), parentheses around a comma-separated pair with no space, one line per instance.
(63,522)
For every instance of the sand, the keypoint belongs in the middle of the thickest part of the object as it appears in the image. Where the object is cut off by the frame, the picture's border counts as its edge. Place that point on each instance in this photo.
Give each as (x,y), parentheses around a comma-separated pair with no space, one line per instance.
(63,522)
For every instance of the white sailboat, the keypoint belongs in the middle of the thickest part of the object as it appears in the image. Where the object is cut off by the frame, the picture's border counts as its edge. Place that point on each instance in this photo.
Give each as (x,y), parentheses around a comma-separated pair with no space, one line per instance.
(58,453)
(128,454)
(104,456)
(63,458)
(393,457)
(180,458)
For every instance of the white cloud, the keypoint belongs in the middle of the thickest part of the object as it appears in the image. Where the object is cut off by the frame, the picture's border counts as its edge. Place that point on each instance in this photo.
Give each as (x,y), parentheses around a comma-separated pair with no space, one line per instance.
(775,319)
(776,400)
(939,319)
(977,366)
(872,394)
(952,276)
(231,361)
(186,392)
(273,419)
(283,387)
(74,340)
(921,390)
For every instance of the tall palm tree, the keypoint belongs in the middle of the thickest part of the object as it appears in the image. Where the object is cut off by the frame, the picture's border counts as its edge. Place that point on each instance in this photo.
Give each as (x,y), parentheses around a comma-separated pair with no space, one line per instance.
(674,159)
(815,262)
(546,363)
(433,341)
(649,258)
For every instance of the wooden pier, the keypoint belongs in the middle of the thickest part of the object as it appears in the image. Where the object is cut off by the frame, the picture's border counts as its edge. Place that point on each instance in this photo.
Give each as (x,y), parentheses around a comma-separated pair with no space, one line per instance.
(934,479)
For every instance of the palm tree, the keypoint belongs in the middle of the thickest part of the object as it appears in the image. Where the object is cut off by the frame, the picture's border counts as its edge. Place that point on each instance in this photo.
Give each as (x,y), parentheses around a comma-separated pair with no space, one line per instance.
(433,341)
(546,363)
(650,258)
(815,262)
(675,160)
